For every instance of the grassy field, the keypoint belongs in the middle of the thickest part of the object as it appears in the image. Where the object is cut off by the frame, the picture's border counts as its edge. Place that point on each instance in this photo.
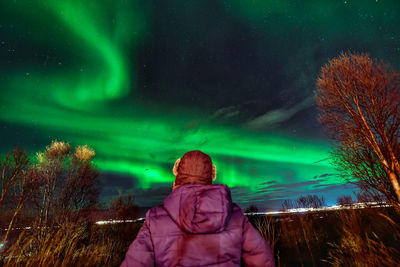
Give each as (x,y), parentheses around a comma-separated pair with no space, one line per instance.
(353,237)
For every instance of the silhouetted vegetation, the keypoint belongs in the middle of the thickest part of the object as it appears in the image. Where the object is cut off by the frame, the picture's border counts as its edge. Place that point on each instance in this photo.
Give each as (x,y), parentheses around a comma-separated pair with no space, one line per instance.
(251,208)
(348,237)
(49,206)
(366,238)
(345,200)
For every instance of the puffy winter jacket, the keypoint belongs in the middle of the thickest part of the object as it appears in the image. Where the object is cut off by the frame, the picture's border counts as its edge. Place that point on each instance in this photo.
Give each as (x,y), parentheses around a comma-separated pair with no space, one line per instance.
(198,225)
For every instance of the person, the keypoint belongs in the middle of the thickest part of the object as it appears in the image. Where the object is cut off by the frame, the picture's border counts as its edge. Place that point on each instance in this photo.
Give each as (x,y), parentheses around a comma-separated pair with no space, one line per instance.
(197,225)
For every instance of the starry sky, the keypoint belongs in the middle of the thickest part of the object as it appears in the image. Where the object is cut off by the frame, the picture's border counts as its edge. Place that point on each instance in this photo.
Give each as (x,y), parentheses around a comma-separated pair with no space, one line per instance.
(144,81)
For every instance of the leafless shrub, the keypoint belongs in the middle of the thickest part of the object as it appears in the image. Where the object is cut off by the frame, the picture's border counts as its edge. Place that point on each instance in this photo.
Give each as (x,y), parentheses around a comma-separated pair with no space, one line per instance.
(344,200)
(358,247)
(268,230)
(123,208)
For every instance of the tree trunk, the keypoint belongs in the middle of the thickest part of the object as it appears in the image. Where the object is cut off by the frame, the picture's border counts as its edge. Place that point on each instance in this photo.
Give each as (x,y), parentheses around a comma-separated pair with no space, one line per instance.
(17,210)
(395,167)
(395,183)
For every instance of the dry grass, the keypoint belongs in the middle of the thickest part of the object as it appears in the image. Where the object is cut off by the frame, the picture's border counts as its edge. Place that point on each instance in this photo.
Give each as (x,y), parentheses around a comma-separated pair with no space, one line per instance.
(70,245)
(268,230)
(362,251)
(367,237)
(360,246)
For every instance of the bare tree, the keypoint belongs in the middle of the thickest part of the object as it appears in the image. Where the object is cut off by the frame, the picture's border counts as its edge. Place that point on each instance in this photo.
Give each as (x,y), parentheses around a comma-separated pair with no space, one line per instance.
(12,165)
(358,99)
(70,184)
(307,201)
(123,208)
(344,200)
(15,180)
(311,201)
(368,196)
(81,189)
(27,187)
(51,166)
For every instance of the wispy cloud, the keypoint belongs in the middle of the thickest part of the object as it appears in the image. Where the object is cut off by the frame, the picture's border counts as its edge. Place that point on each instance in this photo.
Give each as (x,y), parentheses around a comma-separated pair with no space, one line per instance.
(279,115)
(324,175)
(225,113)
(273,199)
(269,182)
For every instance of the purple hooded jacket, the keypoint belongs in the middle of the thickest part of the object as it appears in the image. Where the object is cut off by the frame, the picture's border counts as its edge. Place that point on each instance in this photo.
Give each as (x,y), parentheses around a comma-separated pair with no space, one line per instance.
(198,225)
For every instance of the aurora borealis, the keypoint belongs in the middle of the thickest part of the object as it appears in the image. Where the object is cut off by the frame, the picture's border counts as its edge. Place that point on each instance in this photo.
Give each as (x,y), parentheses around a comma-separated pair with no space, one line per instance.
(142,82)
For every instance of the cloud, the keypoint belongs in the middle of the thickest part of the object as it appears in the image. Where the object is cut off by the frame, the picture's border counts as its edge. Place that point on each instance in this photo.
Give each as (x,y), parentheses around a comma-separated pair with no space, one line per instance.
(273,200)
(225,113)
(271,197)
(324,185)
(277,116)
(269,182)
(324,175)
(332,187)
(293,185)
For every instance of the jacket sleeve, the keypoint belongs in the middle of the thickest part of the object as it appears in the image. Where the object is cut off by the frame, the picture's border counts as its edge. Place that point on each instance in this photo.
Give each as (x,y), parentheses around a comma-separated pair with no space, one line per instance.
(141,251)
(255,251)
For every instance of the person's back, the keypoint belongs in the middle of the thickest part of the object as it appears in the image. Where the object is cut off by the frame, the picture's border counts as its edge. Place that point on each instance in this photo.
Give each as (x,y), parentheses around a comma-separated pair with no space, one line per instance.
(198,225)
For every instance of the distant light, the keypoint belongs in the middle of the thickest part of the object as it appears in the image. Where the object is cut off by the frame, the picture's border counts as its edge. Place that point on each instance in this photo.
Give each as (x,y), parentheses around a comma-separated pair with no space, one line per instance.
(299,210)
(119,221)
(334,207)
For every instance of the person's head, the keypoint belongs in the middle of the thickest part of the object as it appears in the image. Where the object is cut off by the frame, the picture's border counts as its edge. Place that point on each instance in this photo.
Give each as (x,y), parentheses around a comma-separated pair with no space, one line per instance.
(195,167)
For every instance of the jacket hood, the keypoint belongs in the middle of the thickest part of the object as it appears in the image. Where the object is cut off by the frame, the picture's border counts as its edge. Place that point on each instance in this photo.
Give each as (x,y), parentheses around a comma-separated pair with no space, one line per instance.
(194,167)
(200,209)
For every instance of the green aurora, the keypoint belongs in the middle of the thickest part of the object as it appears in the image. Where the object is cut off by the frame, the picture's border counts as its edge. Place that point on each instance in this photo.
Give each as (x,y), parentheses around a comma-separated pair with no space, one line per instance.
(88,89)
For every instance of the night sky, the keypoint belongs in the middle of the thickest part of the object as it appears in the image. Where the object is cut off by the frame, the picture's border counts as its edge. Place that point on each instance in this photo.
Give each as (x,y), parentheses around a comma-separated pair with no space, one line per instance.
(144,81)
